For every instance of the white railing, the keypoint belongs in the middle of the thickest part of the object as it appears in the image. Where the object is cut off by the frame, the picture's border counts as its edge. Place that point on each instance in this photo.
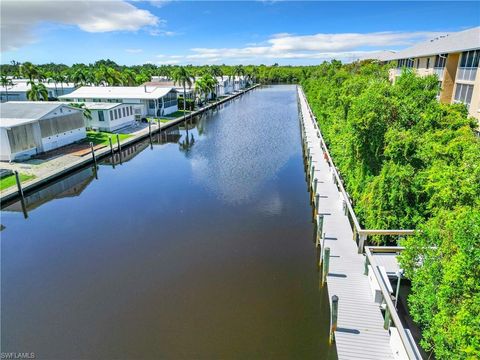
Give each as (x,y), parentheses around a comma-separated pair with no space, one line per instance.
(467,73)
(391,314)
(439,72)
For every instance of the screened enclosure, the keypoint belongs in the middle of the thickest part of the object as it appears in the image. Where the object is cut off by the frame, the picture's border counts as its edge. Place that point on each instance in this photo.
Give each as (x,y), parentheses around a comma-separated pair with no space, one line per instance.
(61,124)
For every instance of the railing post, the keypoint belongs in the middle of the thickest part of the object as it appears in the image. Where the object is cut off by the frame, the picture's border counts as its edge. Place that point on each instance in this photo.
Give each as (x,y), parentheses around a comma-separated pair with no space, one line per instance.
(316,203)
(315,184)
(361,242)
(118,144)
(312,171)
(367,263)
(333,318)
(326,263)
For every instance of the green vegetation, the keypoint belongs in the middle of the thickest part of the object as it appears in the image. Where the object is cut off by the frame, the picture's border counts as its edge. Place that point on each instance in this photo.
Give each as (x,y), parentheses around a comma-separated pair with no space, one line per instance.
(410,162)
(100,137)
(9,181)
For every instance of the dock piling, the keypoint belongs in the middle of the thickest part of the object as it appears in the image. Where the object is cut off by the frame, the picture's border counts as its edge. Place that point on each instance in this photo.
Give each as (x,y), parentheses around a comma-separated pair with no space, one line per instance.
(94,160)
(19,184)
(326,263)
(333,318)
(111,151)
(319,229)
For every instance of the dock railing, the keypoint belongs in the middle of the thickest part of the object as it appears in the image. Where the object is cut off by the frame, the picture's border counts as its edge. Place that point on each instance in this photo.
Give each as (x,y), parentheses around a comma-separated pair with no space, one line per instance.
(391,314)
(357,229)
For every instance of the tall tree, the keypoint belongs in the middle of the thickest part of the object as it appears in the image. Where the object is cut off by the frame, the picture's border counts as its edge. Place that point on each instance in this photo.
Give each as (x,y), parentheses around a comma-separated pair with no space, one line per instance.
(37,92)
(6,83)
(183,78)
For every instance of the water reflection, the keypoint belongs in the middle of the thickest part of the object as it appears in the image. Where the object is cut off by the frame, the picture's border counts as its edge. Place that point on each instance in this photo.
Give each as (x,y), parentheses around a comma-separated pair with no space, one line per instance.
(152,261)
(223,163)
(71,186)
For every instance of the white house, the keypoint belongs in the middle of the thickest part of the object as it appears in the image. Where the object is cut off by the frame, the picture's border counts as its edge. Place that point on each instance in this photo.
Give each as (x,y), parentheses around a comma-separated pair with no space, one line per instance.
(28,128)
(109,116)
(155,101)
(224,86)
(18,91)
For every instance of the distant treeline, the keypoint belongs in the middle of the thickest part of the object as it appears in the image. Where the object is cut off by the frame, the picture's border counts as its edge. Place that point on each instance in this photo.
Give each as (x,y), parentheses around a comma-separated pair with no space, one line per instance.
(410,162)
(108,72)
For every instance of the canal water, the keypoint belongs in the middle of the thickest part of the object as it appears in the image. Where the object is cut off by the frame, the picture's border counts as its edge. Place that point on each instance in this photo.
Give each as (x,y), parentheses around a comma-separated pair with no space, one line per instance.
(197,246)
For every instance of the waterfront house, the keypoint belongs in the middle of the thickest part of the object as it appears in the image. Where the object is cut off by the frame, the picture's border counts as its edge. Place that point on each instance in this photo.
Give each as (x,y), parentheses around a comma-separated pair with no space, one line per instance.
(28,128)
(160,81)
(18,91)
(145,101)
(454,58)
(109,116)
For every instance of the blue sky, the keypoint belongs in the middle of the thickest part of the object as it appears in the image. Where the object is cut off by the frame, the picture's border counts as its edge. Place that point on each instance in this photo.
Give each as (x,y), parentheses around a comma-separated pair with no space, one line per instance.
(231,32)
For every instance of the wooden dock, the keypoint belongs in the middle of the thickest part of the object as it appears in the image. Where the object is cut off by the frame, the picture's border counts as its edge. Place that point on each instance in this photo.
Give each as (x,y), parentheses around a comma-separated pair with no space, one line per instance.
(360,332)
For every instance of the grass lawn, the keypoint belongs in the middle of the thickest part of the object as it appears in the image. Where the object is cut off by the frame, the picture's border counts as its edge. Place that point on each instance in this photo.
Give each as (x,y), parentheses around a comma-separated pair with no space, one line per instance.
(100,137)
(8,181)
(178,113)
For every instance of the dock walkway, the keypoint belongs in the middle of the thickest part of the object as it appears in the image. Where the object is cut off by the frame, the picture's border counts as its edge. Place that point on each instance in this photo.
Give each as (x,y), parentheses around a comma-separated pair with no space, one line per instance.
(360,333)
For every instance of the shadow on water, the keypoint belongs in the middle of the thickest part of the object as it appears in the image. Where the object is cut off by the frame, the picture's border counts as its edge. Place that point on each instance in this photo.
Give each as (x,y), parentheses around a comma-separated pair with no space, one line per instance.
(194,245)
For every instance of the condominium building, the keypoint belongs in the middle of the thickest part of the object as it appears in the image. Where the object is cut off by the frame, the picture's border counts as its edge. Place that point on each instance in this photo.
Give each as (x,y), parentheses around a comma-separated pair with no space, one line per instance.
(454,58)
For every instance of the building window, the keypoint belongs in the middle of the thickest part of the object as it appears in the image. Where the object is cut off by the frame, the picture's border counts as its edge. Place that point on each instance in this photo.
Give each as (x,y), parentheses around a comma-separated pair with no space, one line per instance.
(111,115)
(468,65)
(131,110)
(440,60)
(101,116)
(428,63)
(123,111)
(418,63)
(151,104)
(463,93)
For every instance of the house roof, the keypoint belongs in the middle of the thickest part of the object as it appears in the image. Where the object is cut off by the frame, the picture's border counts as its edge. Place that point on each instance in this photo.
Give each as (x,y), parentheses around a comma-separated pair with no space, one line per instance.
(15,113)
(118,92)
(449,43)
(100,105)
(22,86)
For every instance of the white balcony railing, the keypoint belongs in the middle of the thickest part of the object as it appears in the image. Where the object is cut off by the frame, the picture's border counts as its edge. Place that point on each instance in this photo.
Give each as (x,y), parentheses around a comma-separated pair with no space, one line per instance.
(439,72)
(467,73)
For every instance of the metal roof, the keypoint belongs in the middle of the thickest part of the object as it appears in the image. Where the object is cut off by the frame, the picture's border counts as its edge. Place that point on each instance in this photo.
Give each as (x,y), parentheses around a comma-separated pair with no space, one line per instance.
(100,105)
(15,113)
(449,43)
(118,92)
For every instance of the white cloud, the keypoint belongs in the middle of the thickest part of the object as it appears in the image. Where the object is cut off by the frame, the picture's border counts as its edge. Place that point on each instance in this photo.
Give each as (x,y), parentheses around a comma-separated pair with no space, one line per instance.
(159,32)
(134,51)
(311,47)
(20,18)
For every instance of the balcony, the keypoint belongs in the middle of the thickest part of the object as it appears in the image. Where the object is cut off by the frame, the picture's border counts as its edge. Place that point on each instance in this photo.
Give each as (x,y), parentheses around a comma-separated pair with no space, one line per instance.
(467,73)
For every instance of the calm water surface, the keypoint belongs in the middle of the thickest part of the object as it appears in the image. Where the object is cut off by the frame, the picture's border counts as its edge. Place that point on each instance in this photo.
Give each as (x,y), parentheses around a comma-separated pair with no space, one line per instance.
(196,247)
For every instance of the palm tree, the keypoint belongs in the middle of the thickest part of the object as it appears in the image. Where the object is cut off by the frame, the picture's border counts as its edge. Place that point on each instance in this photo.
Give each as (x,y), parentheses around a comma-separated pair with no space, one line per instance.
(182,77)
(6,82)
(129,77)
(237,70)
(29,70)
(216,71)
(37,92)
(79,77)
(201,87)
(87,113)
